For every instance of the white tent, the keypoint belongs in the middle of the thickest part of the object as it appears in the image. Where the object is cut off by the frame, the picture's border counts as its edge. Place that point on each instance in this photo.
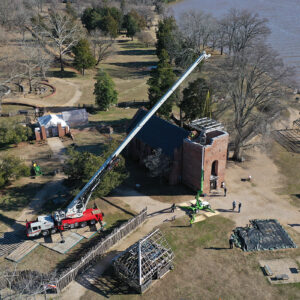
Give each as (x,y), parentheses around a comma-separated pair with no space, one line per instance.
(51,121)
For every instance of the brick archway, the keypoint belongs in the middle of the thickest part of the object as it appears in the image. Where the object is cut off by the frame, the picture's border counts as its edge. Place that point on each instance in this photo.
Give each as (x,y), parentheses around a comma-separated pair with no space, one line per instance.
(214,168)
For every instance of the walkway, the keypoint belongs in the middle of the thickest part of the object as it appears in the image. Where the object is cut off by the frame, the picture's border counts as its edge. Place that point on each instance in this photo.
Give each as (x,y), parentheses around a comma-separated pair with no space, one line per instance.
(57,147)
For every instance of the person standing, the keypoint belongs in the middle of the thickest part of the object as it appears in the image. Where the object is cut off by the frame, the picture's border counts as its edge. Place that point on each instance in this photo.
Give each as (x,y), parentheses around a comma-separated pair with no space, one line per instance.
(233,205)
(231,240)
(225,191)
(173,207)
(240,205)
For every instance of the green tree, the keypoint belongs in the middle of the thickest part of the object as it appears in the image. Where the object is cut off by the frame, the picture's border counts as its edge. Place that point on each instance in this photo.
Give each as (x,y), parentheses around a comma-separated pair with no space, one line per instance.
(109,26)
(11,168)
(11,133)
(90,18)
(165,34)
(196,102)
(105,92)
(160,81)
(84,58)
(108,19)
(131,25)
(81,166)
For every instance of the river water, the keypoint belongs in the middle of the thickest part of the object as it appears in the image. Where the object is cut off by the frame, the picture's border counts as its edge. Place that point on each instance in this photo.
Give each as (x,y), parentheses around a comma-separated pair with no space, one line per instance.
(283,20)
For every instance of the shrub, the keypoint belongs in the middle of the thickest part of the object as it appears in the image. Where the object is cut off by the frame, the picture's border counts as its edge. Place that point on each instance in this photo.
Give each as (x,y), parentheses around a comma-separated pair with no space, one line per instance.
(11,168)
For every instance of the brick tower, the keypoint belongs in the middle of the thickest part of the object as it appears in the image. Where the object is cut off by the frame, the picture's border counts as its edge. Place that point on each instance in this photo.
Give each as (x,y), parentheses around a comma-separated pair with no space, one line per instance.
(207,149)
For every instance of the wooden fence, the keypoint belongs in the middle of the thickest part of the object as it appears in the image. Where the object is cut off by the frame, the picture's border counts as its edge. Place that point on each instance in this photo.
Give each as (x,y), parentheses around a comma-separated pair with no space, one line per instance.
(99,249)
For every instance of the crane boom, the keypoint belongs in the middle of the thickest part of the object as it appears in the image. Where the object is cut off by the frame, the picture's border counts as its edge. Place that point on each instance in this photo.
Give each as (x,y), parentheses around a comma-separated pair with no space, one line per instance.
(78,204)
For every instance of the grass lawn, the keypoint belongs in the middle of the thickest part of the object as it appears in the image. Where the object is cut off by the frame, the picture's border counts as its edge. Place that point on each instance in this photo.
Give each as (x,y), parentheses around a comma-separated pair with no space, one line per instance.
(204,268)
(289,166)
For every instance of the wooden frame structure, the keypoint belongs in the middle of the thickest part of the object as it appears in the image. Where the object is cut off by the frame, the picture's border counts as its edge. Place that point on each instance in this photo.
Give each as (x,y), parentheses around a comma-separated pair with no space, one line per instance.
(206,125)
(296,124)
(288,138)
(145,261)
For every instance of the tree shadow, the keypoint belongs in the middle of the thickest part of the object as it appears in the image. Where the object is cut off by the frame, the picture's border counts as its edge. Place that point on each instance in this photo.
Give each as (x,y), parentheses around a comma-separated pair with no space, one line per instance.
(134,64)
(137,52)
(18,197)
(107,284)
(117,206)
(216,248)
(225,210)
(96,149)
(296,195)
(132,45)
(64,74)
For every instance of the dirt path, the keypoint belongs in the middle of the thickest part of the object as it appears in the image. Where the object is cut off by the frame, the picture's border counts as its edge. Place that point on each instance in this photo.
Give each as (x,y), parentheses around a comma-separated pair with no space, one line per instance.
(57,148)
(258,197)
(76,97)
(67,94)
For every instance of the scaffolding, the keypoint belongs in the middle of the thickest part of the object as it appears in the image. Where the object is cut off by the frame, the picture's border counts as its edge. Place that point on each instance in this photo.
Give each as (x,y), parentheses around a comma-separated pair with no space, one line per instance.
(206,125)
(145,261)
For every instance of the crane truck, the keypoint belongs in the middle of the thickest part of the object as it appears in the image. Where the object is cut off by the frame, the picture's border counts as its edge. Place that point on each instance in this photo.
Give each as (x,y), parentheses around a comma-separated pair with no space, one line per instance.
(76,214)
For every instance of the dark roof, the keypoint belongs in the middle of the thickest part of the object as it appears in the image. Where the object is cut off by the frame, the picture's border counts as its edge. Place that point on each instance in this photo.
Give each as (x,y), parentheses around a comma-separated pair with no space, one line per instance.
(158,133)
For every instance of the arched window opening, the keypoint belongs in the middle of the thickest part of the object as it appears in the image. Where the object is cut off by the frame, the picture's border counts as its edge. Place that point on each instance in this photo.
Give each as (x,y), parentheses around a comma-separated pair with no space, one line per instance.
(214,168)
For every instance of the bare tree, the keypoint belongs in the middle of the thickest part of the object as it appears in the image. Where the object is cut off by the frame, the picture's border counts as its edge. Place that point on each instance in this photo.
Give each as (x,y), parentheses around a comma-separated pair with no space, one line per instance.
(62,31)
(196,27)
(240,28)
(146,38)
(30,63)
(7,8)
(102,47)
(44,60)
(10,70)
(15,284)
(253,79)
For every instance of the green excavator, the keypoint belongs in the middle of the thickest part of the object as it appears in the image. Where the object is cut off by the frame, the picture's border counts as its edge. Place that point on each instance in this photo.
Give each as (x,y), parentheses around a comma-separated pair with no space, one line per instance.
(36,169)
(199,205)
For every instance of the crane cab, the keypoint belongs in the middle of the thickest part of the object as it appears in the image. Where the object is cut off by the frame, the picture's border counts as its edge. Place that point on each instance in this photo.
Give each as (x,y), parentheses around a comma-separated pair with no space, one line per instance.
(43,225)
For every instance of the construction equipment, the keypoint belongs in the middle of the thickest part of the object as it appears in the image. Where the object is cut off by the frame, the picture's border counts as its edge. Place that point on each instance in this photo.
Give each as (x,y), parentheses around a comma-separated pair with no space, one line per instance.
(76,213)
(194,209)
(36,169)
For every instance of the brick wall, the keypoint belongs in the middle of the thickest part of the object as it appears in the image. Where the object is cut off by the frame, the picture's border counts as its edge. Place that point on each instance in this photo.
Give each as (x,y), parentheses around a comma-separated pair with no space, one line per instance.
(176,168)
(61,131)
(43,133)
(192,156)
(37,135)
(217,151)
(187,162)
(191,164)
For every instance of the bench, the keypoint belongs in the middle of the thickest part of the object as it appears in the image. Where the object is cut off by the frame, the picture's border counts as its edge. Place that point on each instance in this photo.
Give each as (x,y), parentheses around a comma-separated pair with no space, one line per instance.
(268,270)
(282,277)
